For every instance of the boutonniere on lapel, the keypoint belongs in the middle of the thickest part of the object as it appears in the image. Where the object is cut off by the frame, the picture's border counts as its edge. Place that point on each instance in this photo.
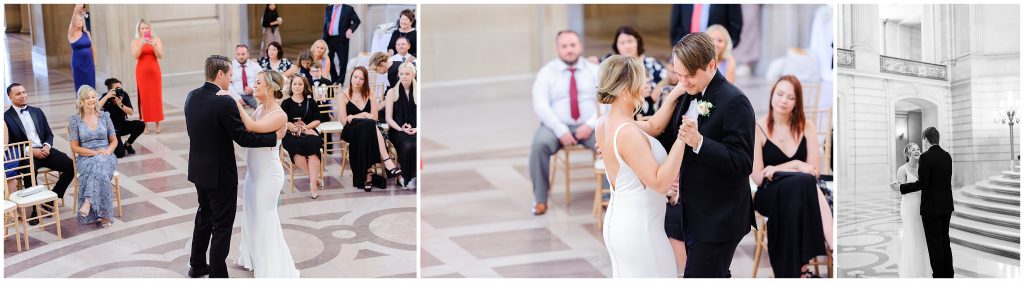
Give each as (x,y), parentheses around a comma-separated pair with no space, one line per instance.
(704,108)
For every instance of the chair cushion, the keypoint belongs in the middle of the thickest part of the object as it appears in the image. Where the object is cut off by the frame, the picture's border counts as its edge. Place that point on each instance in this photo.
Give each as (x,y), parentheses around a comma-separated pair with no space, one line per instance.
(40,197)
(599,164)
(330,126)
(8,206)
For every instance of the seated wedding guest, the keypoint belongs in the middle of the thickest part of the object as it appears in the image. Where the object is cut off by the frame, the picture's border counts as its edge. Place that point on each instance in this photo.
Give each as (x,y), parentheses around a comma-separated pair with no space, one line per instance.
(93,139)
(303,142)
(365,142)
(305,62)
(243,76)
(318,80)
(276,61)
(319,51)
(564,98)
(628,42)
(401,117)
(723,51)
(27,123)
(406,28)
(118,104)
(786,156)
(402,46)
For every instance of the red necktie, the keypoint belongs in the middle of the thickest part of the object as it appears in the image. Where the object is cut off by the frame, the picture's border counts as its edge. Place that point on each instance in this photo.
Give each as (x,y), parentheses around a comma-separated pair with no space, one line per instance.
(695,18)
(245,82)
(574,101)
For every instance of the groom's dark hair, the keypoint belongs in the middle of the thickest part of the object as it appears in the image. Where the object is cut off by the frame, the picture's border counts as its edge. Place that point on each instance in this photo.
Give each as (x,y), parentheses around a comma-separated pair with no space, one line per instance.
(932,135)
(695,51)
(216,63)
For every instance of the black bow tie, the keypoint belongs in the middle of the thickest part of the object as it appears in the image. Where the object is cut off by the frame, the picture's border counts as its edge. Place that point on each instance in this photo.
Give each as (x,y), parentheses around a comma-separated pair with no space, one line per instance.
(22,111)
(693,97)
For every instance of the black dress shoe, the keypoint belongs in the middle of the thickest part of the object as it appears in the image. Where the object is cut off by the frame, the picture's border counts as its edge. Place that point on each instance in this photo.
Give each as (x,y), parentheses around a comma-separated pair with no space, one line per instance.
(198,272)
(128,149)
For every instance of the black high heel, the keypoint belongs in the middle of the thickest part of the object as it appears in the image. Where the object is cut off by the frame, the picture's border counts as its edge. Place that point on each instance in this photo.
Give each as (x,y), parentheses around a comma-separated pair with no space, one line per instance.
(394,171)
(369,182)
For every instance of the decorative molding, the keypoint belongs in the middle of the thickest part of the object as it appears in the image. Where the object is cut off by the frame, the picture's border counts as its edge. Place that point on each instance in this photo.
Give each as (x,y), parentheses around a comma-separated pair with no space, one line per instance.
(912,68)
(846,58)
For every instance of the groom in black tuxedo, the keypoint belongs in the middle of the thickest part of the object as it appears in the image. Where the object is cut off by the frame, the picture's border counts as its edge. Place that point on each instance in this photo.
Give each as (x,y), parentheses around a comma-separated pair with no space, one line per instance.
(715,210)
(935,177)
(213,122)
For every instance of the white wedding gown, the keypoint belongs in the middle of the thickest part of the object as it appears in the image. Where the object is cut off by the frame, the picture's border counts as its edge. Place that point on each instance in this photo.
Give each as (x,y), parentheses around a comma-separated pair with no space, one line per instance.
(914,261)
(263,249)
(634,226)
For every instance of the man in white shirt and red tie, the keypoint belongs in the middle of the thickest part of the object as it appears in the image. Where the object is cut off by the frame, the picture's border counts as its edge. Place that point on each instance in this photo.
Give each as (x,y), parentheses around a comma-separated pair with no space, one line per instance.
(243,76)
(565,100)
(340,22)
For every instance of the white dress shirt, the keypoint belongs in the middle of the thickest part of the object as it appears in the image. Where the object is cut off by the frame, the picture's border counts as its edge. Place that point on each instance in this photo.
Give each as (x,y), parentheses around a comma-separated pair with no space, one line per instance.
(30,127)
(691,112)
(251,70)
(551,95)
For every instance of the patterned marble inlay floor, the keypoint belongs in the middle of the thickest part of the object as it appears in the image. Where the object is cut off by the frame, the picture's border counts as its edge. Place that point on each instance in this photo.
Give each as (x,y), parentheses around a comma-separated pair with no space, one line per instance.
(870,236)
(476,219)
(344,233)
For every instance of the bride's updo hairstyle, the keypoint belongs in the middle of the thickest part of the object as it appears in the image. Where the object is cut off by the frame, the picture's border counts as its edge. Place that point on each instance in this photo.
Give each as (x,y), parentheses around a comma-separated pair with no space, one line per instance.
(621,77)
(274,81)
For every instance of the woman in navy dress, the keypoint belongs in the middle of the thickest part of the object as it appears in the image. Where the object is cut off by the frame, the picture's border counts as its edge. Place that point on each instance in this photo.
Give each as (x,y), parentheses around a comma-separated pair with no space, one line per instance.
(83,67)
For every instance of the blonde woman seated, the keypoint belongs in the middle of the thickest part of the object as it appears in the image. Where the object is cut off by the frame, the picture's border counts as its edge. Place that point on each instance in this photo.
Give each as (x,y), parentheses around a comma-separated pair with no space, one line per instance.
(93,139)
(401,117)
(358,111)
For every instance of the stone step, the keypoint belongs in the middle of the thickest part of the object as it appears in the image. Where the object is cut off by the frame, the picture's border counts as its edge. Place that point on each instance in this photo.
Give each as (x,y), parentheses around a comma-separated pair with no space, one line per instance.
(973,191)
(1011,174)
(984,244)
(988,217)
(980,204)
(985,185)
(1002,180)
(992,231)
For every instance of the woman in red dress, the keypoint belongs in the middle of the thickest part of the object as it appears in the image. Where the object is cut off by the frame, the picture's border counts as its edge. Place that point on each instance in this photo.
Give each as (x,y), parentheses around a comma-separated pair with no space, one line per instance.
(148,49)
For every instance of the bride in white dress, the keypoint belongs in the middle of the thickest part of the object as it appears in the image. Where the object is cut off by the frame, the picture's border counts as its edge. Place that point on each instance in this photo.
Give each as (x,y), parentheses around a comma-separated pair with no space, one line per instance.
(914,261)
(641,174)
(263,249)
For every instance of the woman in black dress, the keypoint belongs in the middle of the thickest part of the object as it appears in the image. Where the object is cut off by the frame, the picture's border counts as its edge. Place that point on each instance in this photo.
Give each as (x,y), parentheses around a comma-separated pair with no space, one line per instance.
(401,117)
(786,155)
(365,142)
(303,141)
(406,28)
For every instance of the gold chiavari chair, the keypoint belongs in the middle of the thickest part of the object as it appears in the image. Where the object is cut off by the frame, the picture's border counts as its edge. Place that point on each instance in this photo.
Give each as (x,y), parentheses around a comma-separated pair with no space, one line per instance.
(44,201)
(329,93)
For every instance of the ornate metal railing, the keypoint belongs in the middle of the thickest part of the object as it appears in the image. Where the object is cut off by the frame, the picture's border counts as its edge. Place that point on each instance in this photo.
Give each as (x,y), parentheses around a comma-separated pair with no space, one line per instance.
(846,58)
(912,68)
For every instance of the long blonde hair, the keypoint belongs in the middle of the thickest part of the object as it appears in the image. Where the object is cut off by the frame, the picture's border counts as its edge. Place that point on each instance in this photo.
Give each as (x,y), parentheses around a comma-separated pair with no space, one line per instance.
(727,53)
(139,26)
(80,106)
(620,75)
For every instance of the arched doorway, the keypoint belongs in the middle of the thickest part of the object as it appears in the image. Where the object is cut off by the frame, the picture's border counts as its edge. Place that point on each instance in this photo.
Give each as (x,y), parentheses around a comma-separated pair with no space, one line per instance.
(909,116)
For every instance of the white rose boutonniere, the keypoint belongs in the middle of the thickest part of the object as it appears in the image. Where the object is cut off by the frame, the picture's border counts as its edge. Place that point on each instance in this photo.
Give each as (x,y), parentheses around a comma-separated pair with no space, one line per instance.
(704,108)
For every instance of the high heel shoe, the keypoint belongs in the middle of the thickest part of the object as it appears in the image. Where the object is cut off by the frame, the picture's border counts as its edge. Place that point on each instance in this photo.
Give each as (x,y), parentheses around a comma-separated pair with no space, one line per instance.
(368,186)
(393,171)
(84,211)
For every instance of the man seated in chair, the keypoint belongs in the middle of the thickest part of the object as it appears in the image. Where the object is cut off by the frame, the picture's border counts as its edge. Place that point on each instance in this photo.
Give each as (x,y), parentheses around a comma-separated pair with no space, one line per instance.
(25,123)
(565,100)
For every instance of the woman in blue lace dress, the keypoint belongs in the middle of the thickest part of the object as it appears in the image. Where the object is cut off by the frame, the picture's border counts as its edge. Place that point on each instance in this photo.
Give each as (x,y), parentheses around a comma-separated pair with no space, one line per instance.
(93,140)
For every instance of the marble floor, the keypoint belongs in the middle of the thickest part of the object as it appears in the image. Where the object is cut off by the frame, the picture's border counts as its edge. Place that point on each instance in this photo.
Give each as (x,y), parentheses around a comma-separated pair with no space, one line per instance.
(344,233)
(476,220)
(869,237)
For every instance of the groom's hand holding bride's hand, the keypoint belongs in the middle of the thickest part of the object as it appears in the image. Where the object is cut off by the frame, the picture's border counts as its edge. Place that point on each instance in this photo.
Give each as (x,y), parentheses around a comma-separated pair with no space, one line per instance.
(690,134)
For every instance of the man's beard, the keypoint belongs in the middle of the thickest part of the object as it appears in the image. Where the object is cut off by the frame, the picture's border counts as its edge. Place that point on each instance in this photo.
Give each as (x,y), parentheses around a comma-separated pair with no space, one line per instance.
(573,62)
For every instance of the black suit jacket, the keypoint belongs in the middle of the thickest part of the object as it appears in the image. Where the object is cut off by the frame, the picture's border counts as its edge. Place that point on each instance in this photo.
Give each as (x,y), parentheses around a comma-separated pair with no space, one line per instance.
(212,123)
(728,15)
(716,203)
(935,178)
(348,19)
(16,130)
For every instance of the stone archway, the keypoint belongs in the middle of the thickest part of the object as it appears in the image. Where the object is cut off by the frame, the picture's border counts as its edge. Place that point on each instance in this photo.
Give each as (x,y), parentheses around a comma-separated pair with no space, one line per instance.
(931,103)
